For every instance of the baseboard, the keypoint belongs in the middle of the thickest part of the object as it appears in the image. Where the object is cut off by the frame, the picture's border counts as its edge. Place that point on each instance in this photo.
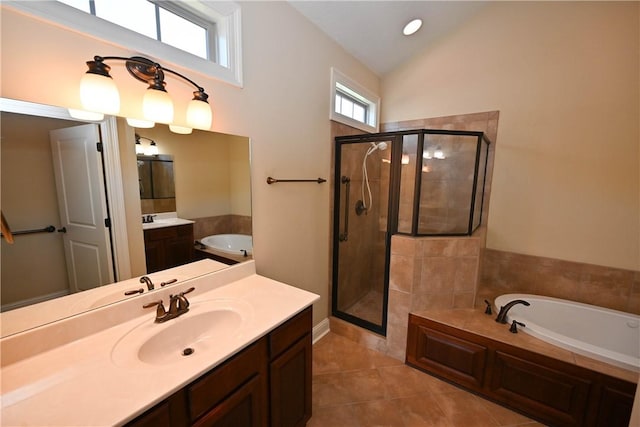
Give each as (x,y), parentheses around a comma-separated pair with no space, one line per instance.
(320,330)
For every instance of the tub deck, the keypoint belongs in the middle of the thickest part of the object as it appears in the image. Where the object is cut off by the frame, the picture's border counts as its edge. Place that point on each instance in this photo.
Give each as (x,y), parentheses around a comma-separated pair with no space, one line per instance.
(545,382)
(475,321)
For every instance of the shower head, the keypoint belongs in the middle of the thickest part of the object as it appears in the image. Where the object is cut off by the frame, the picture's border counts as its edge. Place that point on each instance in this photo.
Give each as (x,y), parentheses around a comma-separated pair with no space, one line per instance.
(379,146)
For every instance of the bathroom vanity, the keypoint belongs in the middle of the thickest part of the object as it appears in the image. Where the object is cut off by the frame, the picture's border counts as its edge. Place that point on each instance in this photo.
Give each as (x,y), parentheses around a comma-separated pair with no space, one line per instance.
(168,242)
(240,356)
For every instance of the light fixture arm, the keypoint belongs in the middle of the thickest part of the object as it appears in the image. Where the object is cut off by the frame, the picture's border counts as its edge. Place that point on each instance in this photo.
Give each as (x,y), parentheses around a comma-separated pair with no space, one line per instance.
(144,70)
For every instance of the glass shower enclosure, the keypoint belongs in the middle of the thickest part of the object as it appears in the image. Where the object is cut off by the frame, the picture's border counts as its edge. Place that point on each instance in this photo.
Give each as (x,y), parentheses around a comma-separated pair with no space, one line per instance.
(419,183)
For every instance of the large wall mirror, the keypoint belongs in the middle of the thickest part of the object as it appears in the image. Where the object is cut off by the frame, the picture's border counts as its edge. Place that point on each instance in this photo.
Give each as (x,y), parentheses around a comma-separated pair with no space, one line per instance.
(209,173)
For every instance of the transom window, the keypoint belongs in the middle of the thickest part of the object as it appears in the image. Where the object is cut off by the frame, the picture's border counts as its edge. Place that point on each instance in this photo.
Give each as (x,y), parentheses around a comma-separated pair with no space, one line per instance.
(352,104)
(201,35)
(164,21)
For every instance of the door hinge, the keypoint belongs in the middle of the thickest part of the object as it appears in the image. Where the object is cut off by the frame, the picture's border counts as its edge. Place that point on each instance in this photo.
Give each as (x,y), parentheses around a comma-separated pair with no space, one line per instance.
(107,222)
(99,147)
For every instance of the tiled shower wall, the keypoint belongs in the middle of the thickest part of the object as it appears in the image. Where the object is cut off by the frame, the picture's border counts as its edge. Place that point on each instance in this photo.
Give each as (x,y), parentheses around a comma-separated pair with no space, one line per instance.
(508,272)
(423,270)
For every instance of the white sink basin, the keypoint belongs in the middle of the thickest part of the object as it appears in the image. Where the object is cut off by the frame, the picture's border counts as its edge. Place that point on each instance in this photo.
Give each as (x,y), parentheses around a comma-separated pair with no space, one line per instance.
(196,333)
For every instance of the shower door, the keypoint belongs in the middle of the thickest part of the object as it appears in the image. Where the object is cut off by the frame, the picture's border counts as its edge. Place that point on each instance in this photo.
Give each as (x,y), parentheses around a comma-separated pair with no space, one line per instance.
(363,171)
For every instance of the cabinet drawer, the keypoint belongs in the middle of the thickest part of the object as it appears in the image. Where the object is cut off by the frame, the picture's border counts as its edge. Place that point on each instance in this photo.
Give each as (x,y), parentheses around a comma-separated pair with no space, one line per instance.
(162,233)
(287,334)
(213,388)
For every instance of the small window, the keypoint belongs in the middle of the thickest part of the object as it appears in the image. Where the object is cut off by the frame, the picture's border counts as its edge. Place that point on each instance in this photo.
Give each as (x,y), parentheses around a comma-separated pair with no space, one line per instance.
(352,104)
(166,22)
(201,35)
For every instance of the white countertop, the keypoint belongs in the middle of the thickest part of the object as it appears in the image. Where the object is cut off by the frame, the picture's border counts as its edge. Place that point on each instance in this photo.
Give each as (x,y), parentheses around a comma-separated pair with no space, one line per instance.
(165,219)
(78,384)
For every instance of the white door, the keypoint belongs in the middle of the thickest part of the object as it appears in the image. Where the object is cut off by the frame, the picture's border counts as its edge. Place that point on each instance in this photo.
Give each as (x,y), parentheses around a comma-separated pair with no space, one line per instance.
(77,165)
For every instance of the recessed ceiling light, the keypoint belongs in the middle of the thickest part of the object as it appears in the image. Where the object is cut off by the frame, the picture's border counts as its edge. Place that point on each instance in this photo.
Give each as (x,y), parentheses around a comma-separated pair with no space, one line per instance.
(412,27)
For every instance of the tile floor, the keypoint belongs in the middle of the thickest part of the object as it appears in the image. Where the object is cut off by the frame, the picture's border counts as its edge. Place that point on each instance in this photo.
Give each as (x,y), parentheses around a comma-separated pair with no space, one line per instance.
(357,387)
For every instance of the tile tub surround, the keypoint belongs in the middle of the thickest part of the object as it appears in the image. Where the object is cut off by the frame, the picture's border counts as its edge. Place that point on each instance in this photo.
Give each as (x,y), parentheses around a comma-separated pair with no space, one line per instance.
(38,388)
(222,224)
(508,272)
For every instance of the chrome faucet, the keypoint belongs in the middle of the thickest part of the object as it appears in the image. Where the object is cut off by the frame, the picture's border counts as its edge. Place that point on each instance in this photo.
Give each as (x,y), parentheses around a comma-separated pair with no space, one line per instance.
(145,279)
(502,315)
(178,305)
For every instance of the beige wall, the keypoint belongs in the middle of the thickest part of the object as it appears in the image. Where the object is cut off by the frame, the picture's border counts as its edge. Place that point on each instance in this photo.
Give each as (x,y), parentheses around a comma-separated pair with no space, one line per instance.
(204,174)
(283,108)
(29,201)
(565,78)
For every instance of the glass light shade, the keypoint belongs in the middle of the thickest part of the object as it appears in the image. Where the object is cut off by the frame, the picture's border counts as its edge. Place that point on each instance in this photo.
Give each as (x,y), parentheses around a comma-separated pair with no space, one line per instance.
(199,114)
(85,115)
(139,148)
(180,129)
(138,123)
(152,150)
(157,106)
(99,93)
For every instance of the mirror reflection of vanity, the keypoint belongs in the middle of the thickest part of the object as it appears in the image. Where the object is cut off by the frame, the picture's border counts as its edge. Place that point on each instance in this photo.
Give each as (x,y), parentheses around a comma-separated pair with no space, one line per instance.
(200,159)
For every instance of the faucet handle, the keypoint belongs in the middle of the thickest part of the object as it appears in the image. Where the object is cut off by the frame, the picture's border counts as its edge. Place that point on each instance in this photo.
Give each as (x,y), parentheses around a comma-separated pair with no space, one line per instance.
(160,311)
(488,309)
(514,326)
(168,282)
(191,289)
(182,300)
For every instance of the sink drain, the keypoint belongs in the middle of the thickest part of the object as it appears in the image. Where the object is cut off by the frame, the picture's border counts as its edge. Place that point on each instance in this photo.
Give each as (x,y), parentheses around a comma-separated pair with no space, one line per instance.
(187,351)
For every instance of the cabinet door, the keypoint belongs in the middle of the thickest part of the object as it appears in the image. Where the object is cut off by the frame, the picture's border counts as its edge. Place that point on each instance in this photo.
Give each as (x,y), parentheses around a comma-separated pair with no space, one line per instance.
(615,407)
(549,391)
(291,386)
(170,413)
(453,358)
(242,409)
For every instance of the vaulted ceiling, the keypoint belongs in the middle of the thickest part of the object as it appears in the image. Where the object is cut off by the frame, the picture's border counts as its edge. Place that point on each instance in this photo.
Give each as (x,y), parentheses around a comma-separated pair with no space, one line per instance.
(372,30)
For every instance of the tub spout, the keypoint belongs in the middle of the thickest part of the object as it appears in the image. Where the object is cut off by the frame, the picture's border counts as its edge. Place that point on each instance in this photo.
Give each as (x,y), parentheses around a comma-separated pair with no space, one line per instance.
(502,315)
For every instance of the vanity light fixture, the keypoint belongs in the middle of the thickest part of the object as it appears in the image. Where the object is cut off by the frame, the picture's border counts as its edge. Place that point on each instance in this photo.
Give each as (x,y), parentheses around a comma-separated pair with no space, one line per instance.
(151,150)
(412,27)
(98,92)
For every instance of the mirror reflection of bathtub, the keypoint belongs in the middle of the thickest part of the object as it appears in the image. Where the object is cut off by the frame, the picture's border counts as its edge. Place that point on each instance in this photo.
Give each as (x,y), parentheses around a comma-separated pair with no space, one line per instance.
(228,248)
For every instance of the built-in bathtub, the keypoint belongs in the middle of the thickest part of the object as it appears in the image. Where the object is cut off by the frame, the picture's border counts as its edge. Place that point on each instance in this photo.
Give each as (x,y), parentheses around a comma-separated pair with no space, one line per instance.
(604,334)
(233,244)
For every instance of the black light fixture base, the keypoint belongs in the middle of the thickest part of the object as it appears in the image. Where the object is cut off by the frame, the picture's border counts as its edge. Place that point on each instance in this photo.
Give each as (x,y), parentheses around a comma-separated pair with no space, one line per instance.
(143,69)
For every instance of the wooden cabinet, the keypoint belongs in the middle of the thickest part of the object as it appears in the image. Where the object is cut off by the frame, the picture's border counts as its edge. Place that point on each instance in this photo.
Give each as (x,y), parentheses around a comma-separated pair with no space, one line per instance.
(290,372)
(550,390)
(168,247)
(266,384)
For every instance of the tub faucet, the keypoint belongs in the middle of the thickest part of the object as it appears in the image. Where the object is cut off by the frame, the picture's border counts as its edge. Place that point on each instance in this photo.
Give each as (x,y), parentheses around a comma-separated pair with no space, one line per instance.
(502,315)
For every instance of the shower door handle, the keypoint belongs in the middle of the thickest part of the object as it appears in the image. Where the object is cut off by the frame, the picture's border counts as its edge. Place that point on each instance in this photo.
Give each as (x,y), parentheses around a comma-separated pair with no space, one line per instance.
(343,237)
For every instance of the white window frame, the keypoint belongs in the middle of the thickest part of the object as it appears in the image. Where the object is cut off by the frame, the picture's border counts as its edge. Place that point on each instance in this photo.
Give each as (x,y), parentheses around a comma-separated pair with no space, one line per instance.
(360,93)
(226,14)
